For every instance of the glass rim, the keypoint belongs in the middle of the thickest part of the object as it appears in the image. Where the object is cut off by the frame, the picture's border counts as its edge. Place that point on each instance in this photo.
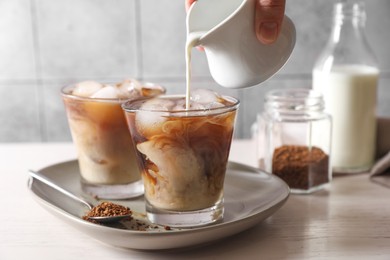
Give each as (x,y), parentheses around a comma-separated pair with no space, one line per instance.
(294,101)
(152,85)
(189,112)
(293,94)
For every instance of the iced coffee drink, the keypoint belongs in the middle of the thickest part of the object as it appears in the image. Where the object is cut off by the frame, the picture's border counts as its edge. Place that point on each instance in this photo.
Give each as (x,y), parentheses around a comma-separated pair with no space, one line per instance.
(105,151)
(183,155)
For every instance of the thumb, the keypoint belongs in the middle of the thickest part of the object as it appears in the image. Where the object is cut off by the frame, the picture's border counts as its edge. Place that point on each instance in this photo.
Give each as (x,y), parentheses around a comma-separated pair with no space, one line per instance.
(268,19)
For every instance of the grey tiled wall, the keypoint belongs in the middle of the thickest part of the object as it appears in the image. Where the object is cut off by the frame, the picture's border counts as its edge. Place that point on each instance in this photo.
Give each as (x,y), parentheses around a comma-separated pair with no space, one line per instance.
(45,44)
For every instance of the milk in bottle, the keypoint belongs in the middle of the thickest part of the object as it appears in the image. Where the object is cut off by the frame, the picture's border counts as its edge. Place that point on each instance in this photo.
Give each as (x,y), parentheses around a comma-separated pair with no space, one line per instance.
(347,75)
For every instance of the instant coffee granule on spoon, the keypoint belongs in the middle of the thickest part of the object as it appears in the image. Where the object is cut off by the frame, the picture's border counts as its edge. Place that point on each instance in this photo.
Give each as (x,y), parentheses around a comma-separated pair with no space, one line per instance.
(132,222)
(107,209)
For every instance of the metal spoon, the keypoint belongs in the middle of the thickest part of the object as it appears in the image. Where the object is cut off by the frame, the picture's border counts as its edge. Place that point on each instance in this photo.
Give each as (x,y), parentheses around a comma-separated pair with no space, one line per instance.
(104,219)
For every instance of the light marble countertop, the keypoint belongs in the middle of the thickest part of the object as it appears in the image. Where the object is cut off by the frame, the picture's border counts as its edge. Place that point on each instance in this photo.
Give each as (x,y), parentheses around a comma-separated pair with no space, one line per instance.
(350,220)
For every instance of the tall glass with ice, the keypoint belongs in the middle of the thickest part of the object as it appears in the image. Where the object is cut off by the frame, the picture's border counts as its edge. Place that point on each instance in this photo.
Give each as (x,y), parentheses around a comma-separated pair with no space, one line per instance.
(106,155)
(183,155)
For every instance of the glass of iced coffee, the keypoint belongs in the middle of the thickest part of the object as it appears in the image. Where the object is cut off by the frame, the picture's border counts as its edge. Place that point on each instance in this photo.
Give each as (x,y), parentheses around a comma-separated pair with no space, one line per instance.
(98,126)
(183,154)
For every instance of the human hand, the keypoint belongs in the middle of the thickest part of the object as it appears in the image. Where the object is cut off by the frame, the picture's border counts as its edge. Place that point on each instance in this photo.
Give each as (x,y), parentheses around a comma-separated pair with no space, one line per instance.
(268,19)
(269,16)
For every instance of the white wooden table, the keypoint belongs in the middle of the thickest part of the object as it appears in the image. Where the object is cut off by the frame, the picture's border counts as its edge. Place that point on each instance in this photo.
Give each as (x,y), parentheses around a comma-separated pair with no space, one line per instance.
(351,220)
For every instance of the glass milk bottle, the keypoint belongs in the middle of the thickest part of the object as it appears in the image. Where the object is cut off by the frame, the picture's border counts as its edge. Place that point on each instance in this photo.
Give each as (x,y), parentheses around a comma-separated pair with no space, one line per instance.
(296,135)
(346,73)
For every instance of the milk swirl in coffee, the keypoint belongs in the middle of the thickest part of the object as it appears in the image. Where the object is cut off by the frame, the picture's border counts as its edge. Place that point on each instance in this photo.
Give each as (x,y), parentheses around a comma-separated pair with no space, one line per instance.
(99,130)
(183,144)
(183,153)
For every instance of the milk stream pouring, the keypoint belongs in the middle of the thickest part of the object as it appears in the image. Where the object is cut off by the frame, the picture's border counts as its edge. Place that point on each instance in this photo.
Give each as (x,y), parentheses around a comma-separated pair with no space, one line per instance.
(347,75)
(236,59)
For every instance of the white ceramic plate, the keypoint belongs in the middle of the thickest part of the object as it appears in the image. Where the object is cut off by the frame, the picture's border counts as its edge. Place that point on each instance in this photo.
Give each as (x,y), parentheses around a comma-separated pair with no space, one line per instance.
(250,197)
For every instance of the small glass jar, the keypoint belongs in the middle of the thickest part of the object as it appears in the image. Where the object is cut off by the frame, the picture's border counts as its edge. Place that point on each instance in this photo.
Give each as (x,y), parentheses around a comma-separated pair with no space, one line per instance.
(296,139)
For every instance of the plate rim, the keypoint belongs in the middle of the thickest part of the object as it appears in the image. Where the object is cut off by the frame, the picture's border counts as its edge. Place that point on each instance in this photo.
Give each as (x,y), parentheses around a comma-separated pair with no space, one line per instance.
(249,220)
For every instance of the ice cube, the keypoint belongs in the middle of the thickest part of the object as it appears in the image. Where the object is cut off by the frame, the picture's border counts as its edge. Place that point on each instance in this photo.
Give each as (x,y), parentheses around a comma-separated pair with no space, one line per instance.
(158,104)
(213,105)
(130,84)
(204,96)
(129,88)
(180,105)
(86,88)
(149,123)
(197,106)
(107,91)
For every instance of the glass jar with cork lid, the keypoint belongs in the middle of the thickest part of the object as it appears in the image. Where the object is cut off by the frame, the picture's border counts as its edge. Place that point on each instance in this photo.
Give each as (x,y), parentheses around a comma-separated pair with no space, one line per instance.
(296,138)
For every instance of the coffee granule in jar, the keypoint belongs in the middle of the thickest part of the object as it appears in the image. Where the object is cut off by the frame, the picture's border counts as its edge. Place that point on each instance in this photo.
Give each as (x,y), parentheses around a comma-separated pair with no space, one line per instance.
(107,209)
(301,167)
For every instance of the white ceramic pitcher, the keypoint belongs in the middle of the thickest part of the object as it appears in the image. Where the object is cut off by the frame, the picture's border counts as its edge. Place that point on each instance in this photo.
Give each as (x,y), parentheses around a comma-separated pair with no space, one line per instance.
(236,58)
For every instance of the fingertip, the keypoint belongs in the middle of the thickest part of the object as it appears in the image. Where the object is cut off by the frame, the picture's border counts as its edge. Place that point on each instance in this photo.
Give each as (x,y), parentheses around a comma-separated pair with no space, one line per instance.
(267,32)
(269,16)
(188,4)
